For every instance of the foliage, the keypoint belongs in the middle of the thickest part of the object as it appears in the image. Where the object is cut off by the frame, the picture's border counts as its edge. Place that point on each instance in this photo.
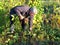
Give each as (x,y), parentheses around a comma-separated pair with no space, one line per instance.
(46,24)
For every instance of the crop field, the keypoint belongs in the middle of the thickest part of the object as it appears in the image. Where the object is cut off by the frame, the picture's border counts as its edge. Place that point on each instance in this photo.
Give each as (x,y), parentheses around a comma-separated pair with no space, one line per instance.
(46,23)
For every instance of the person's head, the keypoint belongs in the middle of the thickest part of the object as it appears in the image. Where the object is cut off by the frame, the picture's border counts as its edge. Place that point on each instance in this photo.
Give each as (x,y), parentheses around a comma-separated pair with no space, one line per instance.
(32,11)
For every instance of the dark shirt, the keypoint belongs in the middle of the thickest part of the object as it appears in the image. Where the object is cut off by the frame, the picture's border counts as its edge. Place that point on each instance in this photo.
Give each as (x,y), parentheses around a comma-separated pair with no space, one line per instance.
(24,10)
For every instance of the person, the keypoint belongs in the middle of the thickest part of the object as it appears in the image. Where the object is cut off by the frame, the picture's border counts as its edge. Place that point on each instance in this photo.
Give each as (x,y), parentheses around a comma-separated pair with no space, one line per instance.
(23,12)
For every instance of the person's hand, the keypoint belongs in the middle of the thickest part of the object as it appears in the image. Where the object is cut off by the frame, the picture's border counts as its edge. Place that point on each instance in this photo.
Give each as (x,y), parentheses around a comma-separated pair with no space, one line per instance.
(26,20)
(30,28)
(22,17)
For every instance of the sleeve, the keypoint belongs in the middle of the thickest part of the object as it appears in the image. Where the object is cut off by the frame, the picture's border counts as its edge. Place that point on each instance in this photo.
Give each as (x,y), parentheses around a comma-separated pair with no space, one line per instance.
(30,22)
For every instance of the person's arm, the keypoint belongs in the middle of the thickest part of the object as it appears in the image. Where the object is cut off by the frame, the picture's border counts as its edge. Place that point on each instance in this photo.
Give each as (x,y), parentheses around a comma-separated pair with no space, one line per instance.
(30,22)
(19,14)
